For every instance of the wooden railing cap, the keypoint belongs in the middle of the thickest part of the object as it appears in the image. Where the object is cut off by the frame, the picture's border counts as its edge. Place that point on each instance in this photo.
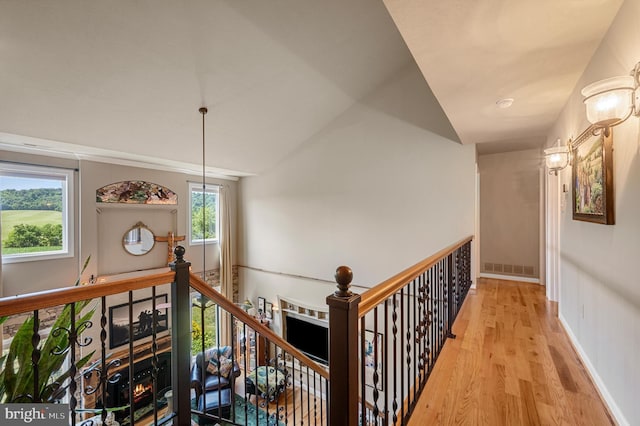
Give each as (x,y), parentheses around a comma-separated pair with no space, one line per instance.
(179,251)
(343,276)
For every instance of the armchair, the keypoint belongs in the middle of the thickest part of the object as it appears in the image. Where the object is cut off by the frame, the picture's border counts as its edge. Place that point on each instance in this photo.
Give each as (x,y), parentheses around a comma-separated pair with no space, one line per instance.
(220,371)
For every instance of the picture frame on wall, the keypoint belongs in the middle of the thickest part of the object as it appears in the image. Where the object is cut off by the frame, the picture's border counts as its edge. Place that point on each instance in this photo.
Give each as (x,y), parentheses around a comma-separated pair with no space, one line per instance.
(373,358)
(592,177)
(268,313)
(142,320)
(261,304)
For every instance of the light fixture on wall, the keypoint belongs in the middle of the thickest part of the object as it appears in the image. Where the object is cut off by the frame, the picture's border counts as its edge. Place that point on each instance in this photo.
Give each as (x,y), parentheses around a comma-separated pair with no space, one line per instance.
(557,158)
(611,101)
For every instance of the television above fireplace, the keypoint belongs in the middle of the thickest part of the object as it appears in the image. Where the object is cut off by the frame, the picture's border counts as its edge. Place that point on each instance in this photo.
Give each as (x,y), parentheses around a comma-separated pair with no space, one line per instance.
(310,338)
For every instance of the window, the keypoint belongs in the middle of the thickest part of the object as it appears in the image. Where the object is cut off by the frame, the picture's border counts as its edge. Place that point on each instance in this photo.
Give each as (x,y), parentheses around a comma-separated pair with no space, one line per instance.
(36,206)
(203,220)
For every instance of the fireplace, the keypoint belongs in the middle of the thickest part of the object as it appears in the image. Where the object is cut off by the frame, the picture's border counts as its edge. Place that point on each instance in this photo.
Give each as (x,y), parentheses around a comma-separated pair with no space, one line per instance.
(118,393)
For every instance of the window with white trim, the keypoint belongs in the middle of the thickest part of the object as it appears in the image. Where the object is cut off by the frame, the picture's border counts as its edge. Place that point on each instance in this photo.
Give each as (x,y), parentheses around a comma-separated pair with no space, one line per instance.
(36,207)
(203,217)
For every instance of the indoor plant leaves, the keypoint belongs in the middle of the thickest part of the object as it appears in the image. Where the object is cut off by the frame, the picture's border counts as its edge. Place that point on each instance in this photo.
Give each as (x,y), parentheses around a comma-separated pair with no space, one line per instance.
(17,377)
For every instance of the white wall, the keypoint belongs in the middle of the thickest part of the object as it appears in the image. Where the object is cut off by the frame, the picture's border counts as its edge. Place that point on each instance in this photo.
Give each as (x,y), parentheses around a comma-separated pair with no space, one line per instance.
(102,232)
(374,190)
(510,211)
(99,235)
(26,277)
(599,285)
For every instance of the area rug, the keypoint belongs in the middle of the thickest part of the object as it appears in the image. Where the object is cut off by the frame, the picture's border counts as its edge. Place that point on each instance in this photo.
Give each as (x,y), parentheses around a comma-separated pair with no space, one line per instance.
(250,414)
(246,414)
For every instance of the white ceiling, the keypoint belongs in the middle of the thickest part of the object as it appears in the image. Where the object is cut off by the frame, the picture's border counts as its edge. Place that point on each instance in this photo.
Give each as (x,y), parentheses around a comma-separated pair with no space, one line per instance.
(475,52)
(126,78)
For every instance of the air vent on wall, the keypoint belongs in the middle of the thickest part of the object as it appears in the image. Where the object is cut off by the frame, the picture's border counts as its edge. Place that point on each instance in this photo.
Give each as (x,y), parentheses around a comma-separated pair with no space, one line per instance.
(509,269)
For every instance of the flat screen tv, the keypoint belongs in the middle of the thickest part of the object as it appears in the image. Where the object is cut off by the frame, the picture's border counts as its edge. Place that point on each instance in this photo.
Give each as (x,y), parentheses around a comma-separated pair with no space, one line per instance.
(309,338)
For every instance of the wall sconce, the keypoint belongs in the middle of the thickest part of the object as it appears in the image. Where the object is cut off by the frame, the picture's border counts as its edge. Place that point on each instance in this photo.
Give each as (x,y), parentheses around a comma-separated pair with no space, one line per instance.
(557,158)
(611,101)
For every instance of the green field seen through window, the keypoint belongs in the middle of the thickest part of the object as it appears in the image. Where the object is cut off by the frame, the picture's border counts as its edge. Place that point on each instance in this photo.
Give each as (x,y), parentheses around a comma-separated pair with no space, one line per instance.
(11,218)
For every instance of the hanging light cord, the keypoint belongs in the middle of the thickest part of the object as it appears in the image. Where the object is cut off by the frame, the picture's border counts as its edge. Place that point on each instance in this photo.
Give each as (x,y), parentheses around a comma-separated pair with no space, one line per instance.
(203,111)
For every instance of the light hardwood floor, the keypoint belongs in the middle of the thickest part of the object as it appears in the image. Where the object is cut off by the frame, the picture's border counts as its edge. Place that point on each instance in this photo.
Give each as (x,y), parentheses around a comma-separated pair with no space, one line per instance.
(511,364)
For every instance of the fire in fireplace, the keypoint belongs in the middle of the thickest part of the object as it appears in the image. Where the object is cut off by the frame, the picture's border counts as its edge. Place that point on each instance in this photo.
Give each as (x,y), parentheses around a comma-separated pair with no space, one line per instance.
(140,391)
(118,393)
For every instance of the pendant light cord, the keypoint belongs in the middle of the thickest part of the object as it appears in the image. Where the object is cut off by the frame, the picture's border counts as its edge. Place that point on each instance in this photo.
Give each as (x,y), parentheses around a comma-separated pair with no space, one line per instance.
(203,111)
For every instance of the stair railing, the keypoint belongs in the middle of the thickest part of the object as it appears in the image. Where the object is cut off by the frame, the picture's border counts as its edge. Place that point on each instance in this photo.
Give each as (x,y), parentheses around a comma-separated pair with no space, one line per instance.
(300,384)
(62,353)
(385,342)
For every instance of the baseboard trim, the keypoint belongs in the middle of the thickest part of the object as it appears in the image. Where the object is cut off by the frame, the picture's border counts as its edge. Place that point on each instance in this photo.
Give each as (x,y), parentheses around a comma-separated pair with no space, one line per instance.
(614,410)
(510,278)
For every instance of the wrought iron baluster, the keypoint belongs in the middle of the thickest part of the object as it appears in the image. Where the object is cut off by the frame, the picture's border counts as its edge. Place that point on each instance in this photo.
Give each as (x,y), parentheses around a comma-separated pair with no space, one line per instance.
(402,398)
(131,361)
(218,344)
(429,302)
(376,360)
(441,304)
(73,369)
(395,358)
(363,375)
(103,357)
(301,399)
(154,355)
(308,397)
(450,295)
(286,393)
(419,329)
(408,331)
(384,363)
(243,351)
(315,402)
(422,312)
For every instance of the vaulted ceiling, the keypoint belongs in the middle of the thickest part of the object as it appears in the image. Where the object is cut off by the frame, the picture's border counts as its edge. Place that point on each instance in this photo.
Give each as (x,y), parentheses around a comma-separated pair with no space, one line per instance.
(123,79)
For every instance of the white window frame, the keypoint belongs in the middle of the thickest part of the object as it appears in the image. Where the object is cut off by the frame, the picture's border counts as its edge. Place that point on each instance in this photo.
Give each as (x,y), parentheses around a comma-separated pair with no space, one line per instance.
(66,176)
(197,187)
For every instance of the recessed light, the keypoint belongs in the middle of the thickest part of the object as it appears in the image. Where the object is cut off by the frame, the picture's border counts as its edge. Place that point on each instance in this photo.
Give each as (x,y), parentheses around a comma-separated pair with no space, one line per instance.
(504,103)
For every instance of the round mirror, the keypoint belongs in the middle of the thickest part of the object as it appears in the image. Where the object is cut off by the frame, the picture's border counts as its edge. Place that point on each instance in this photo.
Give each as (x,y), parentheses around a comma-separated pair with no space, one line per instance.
(138,240)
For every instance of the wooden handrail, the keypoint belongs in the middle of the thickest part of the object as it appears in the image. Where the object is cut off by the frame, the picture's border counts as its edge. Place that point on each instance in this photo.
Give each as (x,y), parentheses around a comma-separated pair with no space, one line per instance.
(203,288)
(13,305)
(378,294)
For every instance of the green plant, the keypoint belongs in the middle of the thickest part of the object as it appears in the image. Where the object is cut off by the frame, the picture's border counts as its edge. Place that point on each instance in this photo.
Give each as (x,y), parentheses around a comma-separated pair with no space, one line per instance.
(17,381)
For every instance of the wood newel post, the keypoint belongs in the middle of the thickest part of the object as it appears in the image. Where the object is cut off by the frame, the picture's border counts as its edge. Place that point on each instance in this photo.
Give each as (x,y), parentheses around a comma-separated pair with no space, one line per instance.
(343,351)
(181,339)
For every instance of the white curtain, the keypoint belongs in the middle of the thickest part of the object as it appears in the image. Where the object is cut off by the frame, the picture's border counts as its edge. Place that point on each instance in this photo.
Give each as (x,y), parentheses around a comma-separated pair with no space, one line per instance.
(226,273)
(226,248)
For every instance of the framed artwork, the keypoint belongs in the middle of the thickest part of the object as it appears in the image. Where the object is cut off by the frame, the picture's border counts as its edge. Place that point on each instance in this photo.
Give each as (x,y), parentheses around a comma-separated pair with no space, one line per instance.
(261,305)
(373,358)
(268,310)
(136,192)
(142,320)
(592,177)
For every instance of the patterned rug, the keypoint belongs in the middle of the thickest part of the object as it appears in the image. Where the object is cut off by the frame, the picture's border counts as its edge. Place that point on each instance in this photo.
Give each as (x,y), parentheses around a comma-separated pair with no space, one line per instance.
(246,414)
(249,417)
